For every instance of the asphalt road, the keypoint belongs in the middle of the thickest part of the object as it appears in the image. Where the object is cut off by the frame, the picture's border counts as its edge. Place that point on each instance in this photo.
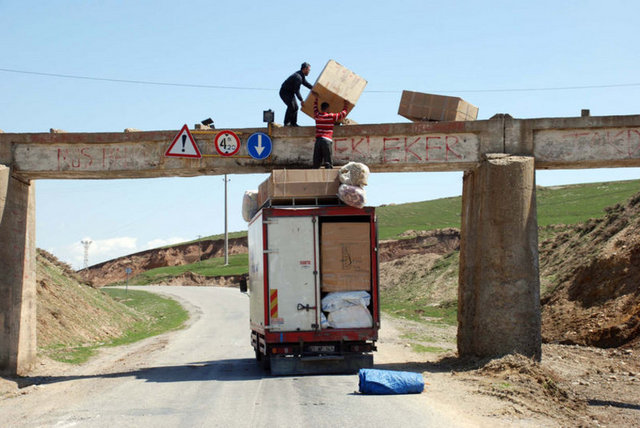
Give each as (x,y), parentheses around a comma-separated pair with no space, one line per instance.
(206,376)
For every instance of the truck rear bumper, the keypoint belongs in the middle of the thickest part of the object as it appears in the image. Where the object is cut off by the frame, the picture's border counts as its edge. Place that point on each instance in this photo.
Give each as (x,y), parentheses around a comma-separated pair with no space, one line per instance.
(327,335)
(330,364)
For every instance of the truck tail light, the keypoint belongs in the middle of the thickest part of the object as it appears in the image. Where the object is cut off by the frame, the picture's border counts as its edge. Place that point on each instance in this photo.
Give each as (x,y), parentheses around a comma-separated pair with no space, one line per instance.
(281,350)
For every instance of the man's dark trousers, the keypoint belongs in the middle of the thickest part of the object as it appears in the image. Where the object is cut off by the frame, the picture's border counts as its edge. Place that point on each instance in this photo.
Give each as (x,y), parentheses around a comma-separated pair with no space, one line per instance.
(322,152)
(291,115)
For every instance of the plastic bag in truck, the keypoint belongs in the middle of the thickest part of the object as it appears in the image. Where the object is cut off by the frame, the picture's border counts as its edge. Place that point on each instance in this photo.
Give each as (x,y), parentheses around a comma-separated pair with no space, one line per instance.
(351,317)
(341,299)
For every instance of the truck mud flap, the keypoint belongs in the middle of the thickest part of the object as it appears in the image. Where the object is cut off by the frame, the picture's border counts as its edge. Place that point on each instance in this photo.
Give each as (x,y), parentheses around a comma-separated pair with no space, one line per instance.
(281,365)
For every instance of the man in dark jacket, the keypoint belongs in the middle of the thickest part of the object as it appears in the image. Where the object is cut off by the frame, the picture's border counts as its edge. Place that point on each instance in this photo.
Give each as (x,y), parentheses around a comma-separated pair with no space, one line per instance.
(290,89)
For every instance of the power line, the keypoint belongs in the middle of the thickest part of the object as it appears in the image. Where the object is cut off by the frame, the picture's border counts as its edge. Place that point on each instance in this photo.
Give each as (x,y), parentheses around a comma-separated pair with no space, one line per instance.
(245,88)
(138,82)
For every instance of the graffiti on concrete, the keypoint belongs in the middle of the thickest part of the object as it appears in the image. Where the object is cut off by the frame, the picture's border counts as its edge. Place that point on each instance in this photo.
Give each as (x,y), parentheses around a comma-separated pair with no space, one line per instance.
(100,157)
(407,149)
(73,157)
(584,145)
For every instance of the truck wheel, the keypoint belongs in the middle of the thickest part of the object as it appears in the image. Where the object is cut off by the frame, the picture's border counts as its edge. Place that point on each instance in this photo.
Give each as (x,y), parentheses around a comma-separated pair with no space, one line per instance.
(266,362)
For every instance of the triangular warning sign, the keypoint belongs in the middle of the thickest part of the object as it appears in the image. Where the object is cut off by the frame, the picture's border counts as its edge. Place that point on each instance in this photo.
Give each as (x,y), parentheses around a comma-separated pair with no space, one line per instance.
(183,145)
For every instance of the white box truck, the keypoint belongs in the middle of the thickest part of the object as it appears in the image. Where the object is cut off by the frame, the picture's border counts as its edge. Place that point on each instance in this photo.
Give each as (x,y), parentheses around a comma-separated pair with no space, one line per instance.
(300,257)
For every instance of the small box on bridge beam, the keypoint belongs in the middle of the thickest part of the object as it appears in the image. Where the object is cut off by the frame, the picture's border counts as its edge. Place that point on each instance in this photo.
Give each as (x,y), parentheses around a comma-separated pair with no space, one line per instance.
(335,85)
(420,107)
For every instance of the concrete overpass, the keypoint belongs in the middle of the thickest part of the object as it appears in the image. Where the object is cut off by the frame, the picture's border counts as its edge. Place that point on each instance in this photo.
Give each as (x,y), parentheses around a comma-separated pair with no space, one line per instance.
(499,287)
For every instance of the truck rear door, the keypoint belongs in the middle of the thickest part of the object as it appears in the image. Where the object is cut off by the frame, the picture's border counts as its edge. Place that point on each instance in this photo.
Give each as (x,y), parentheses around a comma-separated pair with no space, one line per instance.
(292,259)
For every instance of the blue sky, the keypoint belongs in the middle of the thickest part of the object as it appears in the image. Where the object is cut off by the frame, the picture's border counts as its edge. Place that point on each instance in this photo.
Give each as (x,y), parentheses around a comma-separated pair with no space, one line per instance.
(501,56)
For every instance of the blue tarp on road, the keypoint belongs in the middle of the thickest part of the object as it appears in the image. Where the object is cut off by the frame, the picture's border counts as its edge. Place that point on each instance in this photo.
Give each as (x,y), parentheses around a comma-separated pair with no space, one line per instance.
(374,381)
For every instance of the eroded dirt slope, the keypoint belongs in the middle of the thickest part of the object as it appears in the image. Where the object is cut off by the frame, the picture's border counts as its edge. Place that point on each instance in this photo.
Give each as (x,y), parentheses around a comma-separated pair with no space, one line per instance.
(594,268)
(115,270)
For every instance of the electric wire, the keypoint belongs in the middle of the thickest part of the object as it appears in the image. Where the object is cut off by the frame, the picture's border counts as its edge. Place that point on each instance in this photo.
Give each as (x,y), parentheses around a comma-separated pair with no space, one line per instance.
(248,88)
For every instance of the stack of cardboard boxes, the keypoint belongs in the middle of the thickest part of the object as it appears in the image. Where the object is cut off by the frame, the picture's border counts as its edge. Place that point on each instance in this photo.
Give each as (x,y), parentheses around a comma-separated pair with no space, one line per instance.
(344,247)
(291,184)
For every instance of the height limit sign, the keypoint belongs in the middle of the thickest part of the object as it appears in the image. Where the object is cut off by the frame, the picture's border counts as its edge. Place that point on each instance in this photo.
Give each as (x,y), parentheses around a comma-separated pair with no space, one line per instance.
(227,143)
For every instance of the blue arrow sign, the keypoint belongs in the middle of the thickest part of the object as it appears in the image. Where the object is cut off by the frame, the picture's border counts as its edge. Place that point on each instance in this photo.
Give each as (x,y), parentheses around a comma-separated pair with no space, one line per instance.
(259,145)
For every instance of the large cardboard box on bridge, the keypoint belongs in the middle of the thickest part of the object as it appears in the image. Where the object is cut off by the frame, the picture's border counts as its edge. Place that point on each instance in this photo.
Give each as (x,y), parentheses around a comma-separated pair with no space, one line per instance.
(335,85)
(287,184)
(420,107)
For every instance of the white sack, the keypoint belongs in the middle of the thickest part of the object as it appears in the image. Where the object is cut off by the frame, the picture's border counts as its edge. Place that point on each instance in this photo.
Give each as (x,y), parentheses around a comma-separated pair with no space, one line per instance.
(249,204)
(352,195)
(354,174)
(350,317)
(323,321)
(342,299)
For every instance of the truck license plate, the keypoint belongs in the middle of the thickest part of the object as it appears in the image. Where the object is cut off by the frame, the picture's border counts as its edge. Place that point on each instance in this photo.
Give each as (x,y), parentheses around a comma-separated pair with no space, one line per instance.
(322,348)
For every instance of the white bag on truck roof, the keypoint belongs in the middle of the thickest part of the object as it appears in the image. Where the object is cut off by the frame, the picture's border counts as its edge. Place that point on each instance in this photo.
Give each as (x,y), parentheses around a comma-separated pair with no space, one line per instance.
(354,174)
(249,204)
(354,196)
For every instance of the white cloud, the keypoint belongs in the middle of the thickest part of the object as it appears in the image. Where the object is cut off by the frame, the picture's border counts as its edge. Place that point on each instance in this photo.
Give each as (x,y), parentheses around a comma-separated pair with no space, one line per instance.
(99,250)
(102,250)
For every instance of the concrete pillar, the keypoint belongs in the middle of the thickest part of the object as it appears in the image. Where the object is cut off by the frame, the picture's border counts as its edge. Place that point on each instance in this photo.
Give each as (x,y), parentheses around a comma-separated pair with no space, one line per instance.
(17,274)
(499,283)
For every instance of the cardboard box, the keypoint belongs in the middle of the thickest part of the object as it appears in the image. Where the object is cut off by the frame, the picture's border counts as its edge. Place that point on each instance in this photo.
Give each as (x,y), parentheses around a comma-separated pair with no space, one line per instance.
(299,183)
(420,107)
(335,85)
(345,257)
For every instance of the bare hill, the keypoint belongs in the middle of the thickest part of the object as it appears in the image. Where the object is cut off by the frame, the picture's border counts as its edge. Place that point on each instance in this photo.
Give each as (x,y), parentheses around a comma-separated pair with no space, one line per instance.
(594,275)
(114,270)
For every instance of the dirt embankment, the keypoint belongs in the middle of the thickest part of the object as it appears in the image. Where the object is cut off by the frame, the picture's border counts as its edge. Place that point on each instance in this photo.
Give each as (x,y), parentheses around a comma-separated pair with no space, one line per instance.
(595,288)
(115,270)
(438,242)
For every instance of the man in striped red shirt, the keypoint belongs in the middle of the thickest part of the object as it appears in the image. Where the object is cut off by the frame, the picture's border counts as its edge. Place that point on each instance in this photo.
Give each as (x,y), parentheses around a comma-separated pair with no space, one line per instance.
(322,150)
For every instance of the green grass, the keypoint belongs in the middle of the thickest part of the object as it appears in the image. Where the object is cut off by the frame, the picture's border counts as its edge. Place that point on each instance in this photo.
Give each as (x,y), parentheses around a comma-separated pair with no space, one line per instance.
(428,215)
(413,300)
(160,315)
(556,205)
(238,265)
(163,314)
(430,349)
(578,203)
(77,354)
(211,238)
(418,310)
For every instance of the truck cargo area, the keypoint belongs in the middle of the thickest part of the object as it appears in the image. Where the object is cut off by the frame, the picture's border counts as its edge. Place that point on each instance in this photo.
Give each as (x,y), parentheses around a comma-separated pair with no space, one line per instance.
(313,284)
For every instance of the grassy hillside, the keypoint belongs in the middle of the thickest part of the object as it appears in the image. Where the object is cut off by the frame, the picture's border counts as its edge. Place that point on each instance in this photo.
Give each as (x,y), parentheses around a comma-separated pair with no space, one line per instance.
(556,205)
(560,205)
(428,215)
(68,311)
(238,265)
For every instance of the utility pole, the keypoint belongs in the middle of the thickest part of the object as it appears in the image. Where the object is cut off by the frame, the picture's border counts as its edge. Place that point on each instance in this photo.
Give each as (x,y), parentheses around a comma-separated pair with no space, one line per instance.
(86,244)
(226,231)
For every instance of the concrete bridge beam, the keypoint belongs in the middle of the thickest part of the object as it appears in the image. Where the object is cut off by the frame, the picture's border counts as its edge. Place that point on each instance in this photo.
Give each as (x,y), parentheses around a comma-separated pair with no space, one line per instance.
(499,285)
(17,274)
